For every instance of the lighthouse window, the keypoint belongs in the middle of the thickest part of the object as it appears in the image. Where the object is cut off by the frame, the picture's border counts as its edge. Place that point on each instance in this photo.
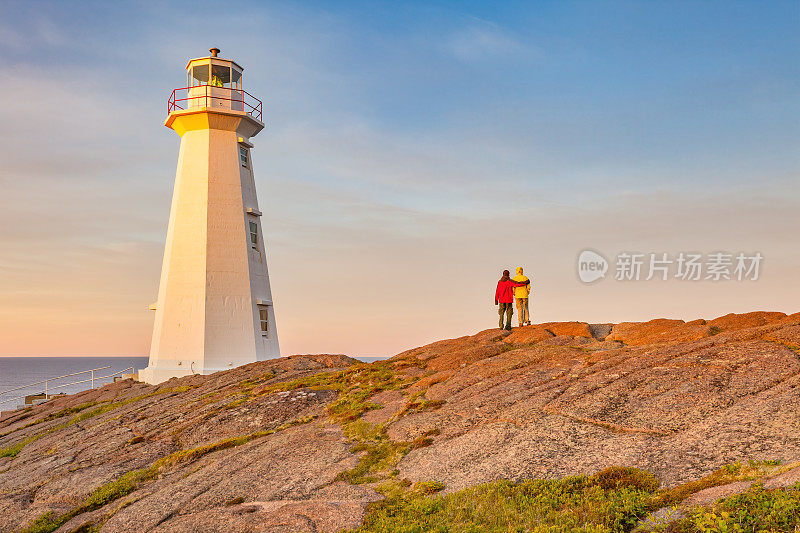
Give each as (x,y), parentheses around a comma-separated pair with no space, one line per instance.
(200,75)
(263,316)
(220,76)
(254,235)
(243,156)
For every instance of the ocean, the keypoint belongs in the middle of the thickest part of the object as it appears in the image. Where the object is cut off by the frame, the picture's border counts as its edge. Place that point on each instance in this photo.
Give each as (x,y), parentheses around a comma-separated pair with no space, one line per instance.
(21,371)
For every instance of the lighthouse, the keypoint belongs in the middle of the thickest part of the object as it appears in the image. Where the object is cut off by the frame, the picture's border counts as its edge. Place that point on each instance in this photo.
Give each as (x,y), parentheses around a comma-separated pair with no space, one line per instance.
(214,309)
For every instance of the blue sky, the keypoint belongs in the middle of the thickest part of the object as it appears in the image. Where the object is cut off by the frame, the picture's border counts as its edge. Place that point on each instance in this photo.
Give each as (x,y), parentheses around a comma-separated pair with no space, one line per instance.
(426,144)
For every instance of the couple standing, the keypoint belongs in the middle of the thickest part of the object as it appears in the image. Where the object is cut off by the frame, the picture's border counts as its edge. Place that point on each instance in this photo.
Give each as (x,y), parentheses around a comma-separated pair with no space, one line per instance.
(508,289)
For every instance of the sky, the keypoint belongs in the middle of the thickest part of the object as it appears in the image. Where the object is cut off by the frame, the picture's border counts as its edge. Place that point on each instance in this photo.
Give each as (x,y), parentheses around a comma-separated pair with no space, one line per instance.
(412,152)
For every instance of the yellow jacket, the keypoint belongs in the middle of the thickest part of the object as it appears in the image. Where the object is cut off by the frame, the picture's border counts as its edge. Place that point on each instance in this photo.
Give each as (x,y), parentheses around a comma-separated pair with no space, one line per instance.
(521,292)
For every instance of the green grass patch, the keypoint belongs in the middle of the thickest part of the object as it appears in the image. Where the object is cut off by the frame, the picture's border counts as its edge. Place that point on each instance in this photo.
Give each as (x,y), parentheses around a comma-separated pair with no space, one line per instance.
(236,403)
(44,524)
(251,383)
(14,449)
(619,477)
(754,510)
(573,504)
(727,474)
(418,403)
(101,496)
(393,487)
(54,416)
(407,362)
(421,442)
(428,487)
(382,456)
(355,384)
(322,381)
(377,464)
(85,415)
(360,431)
(66,412)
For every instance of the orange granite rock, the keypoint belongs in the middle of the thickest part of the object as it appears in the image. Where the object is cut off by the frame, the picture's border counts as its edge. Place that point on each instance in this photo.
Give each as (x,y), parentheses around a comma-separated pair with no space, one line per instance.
(679,399)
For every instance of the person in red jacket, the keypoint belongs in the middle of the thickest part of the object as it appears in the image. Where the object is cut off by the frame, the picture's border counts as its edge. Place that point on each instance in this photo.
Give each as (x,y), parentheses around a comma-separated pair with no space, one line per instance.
(504,297)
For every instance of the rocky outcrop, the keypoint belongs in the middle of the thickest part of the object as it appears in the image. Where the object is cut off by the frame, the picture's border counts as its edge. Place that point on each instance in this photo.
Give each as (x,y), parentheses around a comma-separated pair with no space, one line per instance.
(280,482)
(678,399)
(270,446)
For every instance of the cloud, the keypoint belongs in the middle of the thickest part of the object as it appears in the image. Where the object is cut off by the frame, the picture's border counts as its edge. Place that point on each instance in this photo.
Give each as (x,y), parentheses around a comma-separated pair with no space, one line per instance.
(395,182)
(37,31)
(480,40)
(437,281)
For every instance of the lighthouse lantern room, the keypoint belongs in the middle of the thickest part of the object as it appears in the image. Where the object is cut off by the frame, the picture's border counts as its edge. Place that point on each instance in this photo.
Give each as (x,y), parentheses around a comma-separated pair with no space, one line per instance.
(214,309)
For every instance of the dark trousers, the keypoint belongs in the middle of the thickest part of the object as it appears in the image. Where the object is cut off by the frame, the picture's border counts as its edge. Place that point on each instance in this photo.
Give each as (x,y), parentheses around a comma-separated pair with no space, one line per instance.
(505,309)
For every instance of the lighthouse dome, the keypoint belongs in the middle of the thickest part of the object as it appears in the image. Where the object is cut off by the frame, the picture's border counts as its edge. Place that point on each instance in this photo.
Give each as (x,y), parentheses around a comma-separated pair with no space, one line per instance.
(214,83)
(215,71)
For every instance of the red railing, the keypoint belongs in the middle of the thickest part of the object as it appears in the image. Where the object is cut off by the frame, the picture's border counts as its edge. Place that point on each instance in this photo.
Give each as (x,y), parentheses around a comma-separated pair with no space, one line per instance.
(214,97)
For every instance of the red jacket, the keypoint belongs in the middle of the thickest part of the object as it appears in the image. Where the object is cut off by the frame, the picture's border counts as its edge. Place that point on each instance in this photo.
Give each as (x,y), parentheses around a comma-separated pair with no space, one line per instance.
(505,291)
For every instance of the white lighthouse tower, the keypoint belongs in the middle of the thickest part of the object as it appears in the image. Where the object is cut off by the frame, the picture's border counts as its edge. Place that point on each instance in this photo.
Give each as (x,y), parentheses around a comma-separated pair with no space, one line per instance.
(214,309)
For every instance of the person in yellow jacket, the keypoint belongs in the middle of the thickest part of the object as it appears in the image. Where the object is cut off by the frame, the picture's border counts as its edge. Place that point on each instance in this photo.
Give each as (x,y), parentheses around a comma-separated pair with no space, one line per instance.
(521,295)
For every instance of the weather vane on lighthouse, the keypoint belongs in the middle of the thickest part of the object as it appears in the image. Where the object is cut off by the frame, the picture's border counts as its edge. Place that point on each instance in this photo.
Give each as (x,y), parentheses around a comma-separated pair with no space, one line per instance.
(214,309)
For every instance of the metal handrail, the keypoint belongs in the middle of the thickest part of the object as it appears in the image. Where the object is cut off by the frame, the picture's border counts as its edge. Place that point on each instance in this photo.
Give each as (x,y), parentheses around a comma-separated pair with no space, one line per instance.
(52,379)
(46,381)
(253,109)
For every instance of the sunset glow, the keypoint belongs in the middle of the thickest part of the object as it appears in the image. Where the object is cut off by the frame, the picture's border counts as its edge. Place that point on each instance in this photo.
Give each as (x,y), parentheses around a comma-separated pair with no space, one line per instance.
(410,155)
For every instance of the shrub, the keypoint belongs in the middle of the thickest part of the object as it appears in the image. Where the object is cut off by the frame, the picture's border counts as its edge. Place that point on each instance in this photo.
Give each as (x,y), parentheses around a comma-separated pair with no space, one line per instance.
(727,474)
(756,509)
(573,504)
(421,442)
(618,477)
(428,487)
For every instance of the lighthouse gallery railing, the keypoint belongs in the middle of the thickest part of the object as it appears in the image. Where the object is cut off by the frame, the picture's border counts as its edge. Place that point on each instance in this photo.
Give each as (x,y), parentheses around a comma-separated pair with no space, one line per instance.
(212,96)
